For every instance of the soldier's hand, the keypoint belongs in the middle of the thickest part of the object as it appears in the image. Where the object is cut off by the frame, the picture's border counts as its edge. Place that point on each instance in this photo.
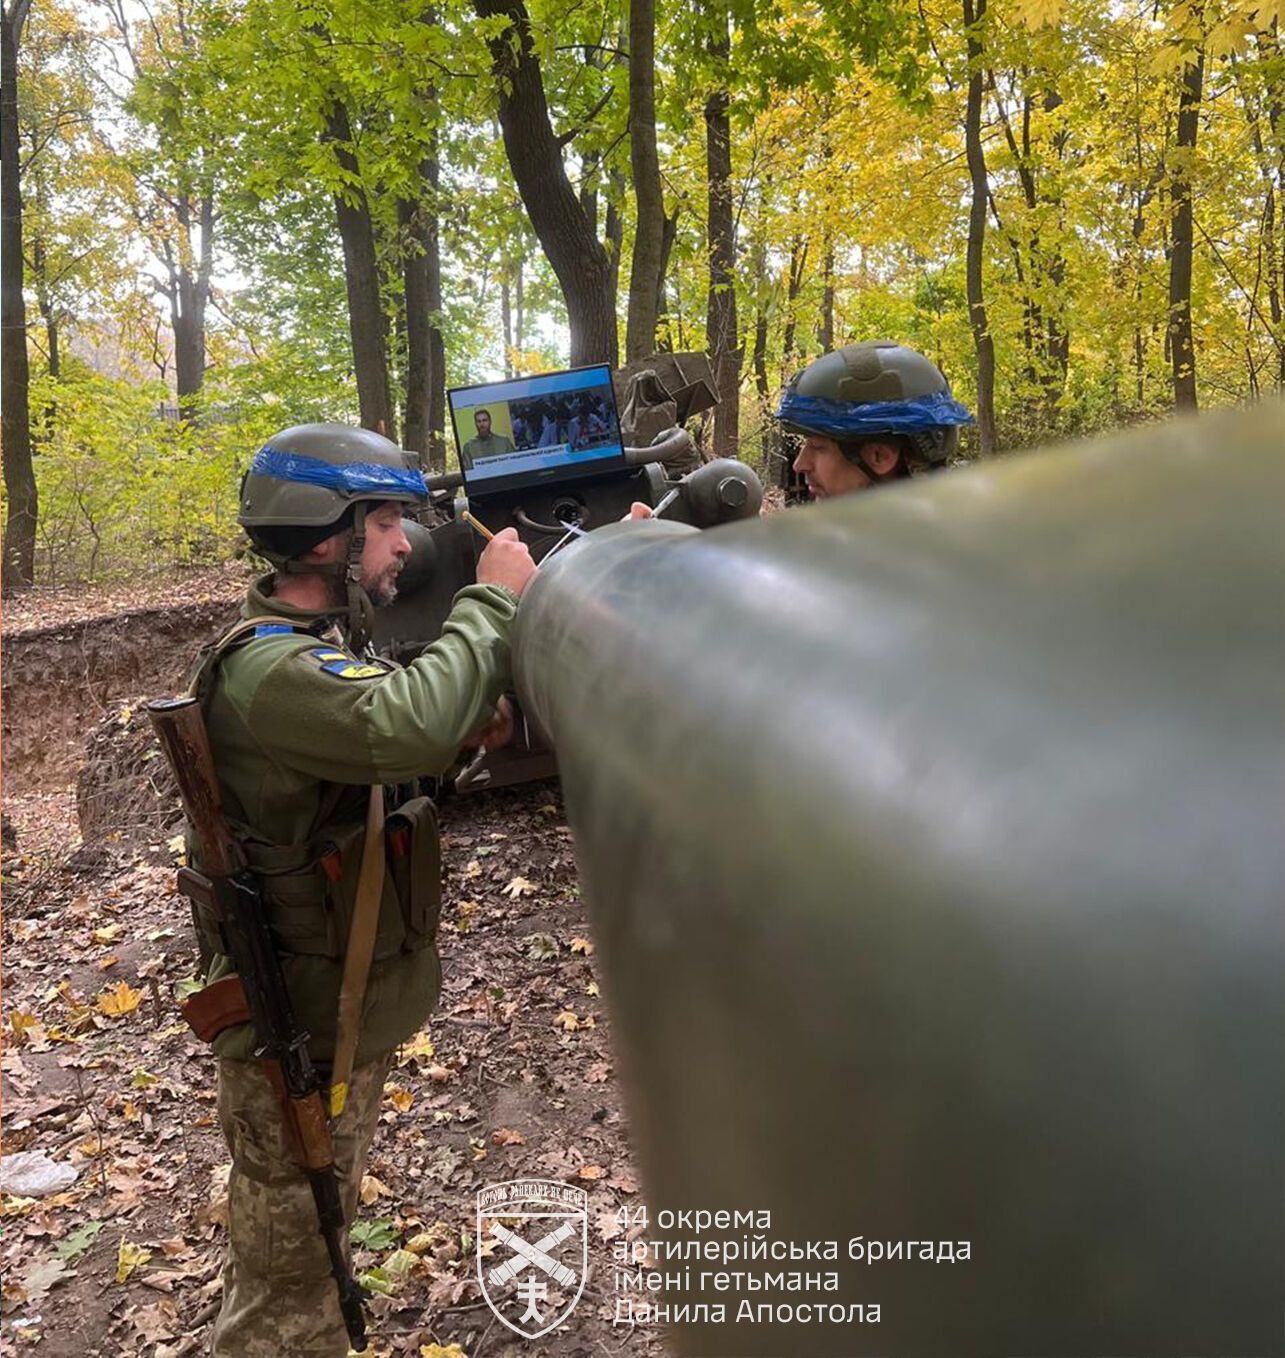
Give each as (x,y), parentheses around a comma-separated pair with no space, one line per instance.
(637,510)
(497,731)
(506,561)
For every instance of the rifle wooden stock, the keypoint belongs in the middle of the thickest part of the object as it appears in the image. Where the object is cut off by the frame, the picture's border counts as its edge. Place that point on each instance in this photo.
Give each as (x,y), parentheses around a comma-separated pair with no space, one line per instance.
(180,727)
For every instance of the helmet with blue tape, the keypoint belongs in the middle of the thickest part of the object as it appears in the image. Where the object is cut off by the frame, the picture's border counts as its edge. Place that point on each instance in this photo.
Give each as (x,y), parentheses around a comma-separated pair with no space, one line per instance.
(312,481)
(307,478)
(877,390)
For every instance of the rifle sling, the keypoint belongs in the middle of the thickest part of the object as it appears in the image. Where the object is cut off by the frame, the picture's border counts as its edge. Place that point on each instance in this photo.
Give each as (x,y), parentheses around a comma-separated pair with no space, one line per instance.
(360,950)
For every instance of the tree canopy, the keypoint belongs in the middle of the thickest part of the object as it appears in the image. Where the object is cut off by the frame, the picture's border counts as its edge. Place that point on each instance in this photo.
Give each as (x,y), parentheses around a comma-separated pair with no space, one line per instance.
(238,214)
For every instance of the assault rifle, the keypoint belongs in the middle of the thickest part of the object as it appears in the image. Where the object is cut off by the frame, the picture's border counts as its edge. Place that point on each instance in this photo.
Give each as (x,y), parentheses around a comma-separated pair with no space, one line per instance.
(257,991)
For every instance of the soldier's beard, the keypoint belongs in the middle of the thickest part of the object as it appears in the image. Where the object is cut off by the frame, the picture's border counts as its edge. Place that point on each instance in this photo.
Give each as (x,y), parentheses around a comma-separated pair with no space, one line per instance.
(382,588)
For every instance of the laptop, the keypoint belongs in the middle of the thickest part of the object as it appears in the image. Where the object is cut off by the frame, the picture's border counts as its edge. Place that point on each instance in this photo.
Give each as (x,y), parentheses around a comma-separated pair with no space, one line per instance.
(533,431)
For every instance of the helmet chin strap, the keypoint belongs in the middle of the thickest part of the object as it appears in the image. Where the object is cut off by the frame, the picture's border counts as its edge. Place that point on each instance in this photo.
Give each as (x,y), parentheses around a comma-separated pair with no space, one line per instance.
(361,612)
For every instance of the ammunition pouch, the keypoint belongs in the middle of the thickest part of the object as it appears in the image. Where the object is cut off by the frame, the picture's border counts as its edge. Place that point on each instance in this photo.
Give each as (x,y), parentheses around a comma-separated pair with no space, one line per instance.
(309,892)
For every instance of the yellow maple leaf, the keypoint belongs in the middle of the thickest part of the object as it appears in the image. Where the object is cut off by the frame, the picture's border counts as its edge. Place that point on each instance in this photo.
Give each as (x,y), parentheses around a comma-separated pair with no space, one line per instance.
(441,1351)
(119,999)
(508,1136)
(591,1171)
(109,933)
(128,1258)
(1039,13)
(592,988)
(567,1021)
(582,945)
(519,886)
(400,1098)
(420,1047)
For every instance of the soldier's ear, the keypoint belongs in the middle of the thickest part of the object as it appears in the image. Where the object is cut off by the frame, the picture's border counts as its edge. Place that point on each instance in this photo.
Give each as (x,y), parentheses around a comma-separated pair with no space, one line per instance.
(329,550)
(881,458)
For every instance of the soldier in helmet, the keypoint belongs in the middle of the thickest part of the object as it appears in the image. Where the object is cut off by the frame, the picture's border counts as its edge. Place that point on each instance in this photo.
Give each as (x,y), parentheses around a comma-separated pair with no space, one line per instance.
(868,413)
(303,722)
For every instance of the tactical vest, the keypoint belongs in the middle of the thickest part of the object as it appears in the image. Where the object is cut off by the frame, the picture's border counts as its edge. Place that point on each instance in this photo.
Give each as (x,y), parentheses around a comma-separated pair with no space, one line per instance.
(309,889)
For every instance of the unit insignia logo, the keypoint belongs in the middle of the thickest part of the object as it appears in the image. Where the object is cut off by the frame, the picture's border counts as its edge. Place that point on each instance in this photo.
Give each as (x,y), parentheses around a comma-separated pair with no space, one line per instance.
(532,1252)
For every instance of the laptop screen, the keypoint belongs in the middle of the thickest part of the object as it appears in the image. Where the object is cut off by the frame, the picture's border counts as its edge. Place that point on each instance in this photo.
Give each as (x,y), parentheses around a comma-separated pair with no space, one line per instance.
(527,431)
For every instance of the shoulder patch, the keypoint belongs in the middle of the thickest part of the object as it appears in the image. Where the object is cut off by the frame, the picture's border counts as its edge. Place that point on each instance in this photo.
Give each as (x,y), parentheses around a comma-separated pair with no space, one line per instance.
(344,666)
(272,629)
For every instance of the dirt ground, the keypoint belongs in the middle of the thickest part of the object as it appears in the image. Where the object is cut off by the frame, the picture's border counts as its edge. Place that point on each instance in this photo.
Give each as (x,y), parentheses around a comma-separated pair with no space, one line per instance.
(512,1077)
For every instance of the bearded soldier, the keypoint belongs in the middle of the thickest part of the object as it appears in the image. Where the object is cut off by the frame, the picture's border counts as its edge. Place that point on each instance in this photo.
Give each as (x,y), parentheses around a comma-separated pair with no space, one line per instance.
(307,730)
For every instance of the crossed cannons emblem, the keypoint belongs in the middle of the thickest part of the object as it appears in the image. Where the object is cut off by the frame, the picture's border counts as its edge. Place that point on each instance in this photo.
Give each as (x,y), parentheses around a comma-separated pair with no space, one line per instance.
(539,1200)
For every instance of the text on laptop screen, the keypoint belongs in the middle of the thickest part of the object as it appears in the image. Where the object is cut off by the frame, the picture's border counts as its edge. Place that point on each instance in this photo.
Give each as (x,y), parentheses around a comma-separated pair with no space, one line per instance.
(527,430)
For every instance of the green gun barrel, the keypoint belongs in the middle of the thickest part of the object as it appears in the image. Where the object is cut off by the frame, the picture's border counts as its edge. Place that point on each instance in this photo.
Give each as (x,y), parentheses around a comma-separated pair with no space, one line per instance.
(933,845)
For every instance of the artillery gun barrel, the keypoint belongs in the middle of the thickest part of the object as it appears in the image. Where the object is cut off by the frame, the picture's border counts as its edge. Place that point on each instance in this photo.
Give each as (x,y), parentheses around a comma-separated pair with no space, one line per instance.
(932,843)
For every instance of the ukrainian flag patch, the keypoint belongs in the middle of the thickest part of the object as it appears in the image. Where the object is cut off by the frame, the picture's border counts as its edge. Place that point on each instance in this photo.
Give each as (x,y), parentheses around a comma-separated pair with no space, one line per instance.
(343,665)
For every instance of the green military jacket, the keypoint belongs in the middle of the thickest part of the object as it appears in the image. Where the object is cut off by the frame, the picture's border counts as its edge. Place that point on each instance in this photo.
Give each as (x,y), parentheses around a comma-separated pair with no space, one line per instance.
(300,728)
(489,446)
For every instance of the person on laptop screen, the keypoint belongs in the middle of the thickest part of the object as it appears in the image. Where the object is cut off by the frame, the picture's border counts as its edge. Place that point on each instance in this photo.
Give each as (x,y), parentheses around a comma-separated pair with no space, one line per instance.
(486,444)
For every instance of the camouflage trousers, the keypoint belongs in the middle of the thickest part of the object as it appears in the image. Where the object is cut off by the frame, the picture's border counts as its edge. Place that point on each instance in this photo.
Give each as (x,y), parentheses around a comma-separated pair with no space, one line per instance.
(279,1298)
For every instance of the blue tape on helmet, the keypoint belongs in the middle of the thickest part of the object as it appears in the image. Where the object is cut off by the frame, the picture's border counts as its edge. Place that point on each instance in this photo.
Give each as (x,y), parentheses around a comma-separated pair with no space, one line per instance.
(847,419)
(349,478)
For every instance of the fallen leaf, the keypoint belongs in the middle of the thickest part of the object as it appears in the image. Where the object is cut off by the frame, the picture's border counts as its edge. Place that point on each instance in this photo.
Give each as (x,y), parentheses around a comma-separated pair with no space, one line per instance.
(519,886)
(582,945)
(592,1172)
(508,1136)
(598,1073)
(155,1323)
(373,1235)
(372,1189)
(441,1351)
(399,1263)
(77,1241)
(109,933)
(128,1258)
(400,1098)
(567,1021)
(120,999)
(592,988)
(38,1279)
(420,1047)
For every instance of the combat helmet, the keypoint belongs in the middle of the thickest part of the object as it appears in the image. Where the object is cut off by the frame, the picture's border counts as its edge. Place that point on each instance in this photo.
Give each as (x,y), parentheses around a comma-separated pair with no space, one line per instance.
(314,480)
(876,389)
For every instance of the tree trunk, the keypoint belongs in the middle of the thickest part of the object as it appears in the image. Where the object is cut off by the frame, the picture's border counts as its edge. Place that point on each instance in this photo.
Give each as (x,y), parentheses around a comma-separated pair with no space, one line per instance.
(189,293)
(1182,349)
(425,348)
(15,414)
(648,265)
(506,323)
(825,329)
(721,323)
(793,286)
(665,335)
(519,309)
(613,234)
(983,343)
(366,322)
(574,252)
